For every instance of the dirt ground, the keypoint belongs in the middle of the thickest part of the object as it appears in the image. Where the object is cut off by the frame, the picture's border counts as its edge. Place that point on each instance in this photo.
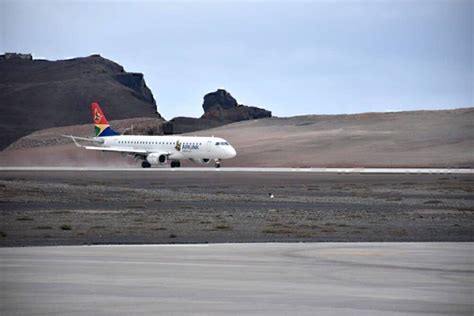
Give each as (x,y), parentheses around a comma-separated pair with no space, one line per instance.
(112,207)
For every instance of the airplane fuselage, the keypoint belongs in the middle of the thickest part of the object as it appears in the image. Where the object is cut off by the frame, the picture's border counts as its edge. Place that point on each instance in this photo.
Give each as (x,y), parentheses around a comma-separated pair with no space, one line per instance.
(174,147)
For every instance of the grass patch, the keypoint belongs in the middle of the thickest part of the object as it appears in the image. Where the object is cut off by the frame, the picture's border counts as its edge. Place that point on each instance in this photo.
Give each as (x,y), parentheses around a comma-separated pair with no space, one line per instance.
(466,209)
(223,227)
(44,227)
(278,225)
(65,227)
(136,206)
(173,236)
(181,221)
(393,199)
(3,235)
(159,228)
(98,227)
(398,232)
(284,231)
(205,222)
(433,202)
(303,234)
(24,218)
(309,226)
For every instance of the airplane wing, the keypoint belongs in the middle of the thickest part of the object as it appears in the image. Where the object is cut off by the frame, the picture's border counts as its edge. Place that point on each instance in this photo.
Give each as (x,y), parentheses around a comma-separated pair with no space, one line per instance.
(127,150)
(100,141)
(116,149)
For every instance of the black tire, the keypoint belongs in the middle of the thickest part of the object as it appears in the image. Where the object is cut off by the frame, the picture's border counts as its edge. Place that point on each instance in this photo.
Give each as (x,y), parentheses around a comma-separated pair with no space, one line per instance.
(175,164)
(145,164)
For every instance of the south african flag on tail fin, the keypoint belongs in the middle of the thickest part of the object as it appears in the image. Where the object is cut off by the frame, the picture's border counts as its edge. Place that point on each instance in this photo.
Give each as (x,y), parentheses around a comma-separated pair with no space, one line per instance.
(102,127)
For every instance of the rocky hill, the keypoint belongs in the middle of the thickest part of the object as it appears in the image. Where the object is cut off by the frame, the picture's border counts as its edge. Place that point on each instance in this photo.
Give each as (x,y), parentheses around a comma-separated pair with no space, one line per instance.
(220,108)
(39,94)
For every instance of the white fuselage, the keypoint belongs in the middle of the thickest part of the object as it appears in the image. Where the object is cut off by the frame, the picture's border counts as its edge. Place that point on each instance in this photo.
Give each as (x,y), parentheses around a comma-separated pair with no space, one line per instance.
(175,147)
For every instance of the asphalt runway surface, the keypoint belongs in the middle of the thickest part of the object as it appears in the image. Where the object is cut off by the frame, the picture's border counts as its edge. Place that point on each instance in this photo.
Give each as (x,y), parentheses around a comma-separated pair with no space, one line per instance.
(255,279)
(77,207)
(244,169)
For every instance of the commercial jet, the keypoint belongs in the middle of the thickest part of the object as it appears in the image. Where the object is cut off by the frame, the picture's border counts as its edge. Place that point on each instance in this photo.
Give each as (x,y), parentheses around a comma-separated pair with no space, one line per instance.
(155,150)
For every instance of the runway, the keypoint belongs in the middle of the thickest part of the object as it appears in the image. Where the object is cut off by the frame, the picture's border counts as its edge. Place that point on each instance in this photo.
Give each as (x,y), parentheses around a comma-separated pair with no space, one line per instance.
(238,169)
(256,279)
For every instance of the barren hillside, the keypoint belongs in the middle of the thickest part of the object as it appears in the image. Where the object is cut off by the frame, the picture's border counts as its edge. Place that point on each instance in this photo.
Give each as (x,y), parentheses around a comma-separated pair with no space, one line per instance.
(39,94)
(400,139)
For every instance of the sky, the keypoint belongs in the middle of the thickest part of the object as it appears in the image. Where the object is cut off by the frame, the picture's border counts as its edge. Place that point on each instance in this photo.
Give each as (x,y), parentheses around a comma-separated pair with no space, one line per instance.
(290,57)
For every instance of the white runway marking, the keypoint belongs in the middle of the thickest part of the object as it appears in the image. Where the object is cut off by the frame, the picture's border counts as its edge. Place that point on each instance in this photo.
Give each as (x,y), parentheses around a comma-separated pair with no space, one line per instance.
(230,169)
(265,279)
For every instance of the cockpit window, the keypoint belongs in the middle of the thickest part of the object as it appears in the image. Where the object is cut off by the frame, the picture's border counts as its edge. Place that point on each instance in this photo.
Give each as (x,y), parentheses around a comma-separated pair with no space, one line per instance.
(222,144)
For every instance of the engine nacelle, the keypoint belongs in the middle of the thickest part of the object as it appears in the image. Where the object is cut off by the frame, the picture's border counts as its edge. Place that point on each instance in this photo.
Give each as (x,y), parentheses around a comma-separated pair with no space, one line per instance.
(156,159)
(202,161)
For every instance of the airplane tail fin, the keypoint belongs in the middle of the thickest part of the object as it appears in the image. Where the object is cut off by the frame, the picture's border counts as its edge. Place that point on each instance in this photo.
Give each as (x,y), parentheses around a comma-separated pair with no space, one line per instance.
(102,127)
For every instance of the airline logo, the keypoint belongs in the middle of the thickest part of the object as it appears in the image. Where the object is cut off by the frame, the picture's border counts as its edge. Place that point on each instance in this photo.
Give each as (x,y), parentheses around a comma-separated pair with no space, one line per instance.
(178,145)
(97,116)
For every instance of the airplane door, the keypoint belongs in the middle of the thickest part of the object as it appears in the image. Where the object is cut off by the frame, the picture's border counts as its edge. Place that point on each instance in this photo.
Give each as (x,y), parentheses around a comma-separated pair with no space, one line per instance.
(209,144)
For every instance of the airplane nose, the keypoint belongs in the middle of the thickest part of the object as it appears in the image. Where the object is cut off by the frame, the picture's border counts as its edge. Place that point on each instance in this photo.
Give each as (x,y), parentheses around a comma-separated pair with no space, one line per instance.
(232,152)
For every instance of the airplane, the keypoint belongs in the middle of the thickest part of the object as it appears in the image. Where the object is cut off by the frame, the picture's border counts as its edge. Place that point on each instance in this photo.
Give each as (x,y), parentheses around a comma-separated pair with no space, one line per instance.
(155,150)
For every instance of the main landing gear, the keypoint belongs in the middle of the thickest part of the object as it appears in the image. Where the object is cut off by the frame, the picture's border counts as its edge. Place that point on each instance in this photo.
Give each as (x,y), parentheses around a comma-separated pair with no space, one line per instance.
(145,164)
(175,164)
(218,163)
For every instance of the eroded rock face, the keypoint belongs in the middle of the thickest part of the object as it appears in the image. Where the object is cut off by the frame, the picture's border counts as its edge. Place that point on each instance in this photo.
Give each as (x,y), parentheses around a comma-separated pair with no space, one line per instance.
(219,99)
(222,106)
(40,94)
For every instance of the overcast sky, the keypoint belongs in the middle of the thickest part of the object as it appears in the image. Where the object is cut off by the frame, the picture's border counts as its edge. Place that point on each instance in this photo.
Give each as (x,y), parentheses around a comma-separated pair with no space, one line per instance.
(291,57)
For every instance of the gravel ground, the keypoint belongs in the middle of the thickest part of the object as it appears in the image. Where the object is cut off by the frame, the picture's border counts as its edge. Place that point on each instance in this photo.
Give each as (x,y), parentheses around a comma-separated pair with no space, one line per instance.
(109,207)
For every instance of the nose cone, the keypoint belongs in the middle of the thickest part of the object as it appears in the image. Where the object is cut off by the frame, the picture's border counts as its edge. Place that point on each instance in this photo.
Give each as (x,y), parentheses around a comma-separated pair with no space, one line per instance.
(231,152)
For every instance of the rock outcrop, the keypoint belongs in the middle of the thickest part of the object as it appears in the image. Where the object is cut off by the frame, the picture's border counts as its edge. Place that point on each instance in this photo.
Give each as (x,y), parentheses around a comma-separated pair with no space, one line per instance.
(39,94)
(220,108)
(219,99)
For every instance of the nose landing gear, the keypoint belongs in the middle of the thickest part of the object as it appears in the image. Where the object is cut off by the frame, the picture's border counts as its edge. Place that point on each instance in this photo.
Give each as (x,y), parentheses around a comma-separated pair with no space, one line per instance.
(218,163)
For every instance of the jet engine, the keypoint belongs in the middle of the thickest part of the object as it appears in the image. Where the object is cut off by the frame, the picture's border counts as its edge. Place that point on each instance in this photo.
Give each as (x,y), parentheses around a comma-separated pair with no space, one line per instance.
(156,158)
(202,161)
